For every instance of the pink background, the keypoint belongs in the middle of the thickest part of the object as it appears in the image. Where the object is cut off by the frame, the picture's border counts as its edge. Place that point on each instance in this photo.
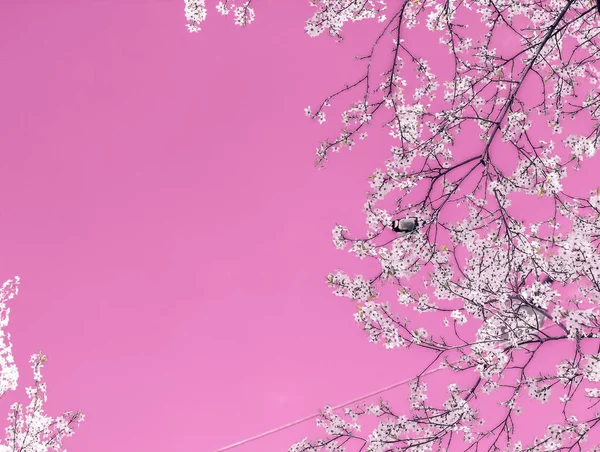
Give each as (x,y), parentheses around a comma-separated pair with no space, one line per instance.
(160,203)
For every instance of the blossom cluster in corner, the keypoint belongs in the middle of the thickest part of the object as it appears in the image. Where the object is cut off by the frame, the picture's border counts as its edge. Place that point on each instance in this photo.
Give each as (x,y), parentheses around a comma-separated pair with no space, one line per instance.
(30,429)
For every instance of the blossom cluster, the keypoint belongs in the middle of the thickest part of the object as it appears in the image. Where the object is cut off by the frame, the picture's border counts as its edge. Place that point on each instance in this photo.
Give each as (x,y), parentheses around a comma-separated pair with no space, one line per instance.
(195,13)
(29,429)
(487,265)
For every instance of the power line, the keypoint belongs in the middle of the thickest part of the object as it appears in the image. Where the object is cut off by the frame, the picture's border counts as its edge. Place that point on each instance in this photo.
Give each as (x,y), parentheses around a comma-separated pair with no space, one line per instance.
(307,418)
(299,421)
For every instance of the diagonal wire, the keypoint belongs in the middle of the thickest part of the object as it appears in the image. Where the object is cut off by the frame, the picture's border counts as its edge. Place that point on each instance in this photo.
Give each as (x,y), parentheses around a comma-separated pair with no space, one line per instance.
(312,416)
(358,399)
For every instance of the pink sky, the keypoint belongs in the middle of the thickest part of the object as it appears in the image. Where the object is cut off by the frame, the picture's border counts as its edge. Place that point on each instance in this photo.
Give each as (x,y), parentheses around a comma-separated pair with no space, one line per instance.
(160,203)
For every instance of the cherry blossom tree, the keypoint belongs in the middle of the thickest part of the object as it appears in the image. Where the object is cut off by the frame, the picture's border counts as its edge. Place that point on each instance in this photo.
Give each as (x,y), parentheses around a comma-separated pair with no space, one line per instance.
(30,429)
(488,250)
